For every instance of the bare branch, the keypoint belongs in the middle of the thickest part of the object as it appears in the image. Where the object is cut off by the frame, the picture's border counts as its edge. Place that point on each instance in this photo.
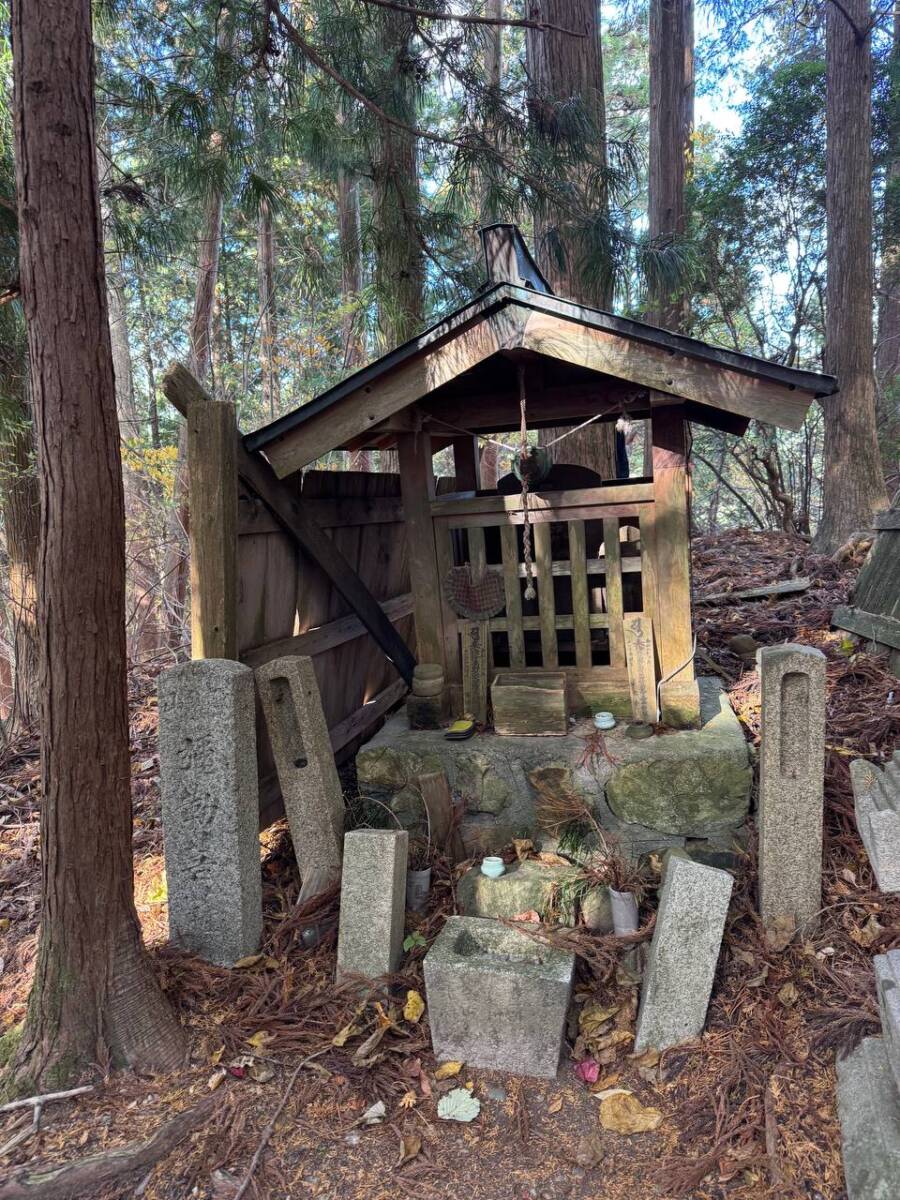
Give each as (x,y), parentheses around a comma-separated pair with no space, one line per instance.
(474,19)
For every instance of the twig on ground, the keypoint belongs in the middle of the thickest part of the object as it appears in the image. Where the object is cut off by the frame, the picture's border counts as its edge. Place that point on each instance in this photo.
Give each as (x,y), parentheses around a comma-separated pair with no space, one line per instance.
(40,1101)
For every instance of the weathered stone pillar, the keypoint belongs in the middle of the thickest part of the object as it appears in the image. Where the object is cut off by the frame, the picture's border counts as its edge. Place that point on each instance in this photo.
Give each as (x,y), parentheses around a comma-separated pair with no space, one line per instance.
(304,760)
(210,808)
(373,902)
(791,779)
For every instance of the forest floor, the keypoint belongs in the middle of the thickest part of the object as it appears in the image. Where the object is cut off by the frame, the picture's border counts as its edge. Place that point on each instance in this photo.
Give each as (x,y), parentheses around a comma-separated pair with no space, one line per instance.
(747,1111)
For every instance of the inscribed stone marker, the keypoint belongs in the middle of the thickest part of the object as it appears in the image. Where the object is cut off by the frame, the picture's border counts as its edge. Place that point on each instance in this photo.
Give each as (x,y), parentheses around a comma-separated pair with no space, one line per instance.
(869,1111)
(304,760)
(373,895)
(210,808)
(791,775)
(641,668)
(682,961)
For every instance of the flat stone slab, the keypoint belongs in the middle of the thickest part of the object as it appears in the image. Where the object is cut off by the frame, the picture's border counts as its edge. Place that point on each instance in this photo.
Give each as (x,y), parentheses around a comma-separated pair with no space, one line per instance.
(683,954)
(876,799)
(531,885)
(493,774)
(869,1111)
(497,998)
(887,984)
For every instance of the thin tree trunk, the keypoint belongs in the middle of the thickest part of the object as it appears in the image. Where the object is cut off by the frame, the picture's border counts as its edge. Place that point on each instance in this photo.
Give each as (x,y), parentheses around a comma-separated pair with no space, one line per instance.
(561,68)
(94,992)
(887,357)
(853,485)
(352,335)
(268,315)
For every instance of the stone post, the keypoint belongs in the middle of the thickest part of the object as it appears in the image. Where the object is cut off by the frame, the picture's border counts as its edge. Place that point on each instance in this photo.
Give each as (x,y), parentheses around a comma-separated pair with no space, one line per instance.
(791,778)
(373,902)
(304,760)
(210,808)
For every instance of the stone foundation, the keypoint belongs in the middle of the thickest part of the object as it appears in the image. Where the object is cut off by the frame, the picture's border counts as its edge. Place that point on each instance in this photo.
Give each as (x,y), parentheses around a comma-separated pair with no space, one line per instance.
(654,794)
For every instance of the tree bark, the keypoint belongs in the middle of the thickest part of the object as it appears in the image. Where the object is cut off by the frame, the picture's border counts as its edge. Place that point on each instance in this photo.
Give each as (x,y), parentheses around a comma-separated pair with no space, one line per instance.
(352,336)
(853,485)
(887,355)
(94,991)
(268,315)
(562,68)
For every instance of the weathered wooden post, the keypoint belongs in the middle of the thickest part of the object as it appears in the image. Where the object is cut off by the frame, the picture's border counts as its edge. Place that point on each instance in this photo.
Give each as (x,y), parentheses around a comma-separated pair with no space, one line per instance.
(670,549)
(417,489)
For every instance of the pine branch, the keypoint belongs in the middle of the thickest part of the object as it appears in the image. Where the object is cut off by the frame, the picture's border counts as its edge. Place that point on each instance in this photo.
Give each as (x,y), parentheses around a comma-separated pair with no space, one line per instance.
(474,19)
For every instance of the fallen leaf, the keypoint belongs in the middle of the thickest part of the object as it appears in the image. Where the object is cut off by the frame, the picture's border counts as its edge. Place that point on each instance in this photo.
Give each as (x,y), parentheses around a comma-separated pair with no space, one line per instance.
(522,847)
(385,1020)
(531,916)
(408,1100)
(744,956)
(256,960)
(760,979)
(447,1070)
(648,1059)
(624,1113)
(216,1078)
(615,1038)
(260,1072)
(593,1016)
(781,932)
(589,1152)
(260,1039)
(587,1070)
(410,1145)
(550,859)
(216,1057)
(374,1114)
(788,994)
(607,1081)
(555,1104)
(614,1091)
(343,1035)
(365,1049)
(459,1105)
(414,1007)
(869,932)
(848,875)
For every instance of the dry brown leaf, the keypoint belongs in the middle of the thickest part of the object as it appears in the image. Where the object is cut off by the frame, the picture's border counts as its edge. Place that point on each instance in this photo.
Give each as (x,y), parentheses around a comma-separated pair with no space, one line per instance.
(623,1113)
(788,994)
(523,847)
(607,1081)
(648,1059)
(408,1100)
(869,932)
(589,1152)
(410,1145)
(343,1035)
(555,1104)
(593,1017)
(216,1078)
(781,932)
(531,916)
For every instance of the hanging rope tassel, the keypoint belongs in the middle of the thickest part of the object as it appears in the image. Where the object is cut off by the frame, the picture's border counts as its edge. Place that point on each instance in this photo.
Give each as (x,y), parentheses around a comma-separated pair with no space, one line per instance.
(530,591)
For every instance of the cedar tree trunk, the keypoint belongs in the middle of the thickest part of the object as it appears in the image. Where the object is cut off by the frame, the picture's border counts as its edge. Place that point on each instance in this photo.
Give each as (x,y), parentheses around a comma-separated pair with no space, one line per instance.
(94,993)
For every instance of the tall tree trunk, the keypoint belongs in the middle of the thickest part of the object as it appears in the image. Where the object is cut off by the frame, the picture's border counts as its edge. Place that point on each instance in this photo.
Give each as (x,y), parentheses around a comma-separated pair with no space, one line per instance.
(562,68)
(853,485)
(352,334)
(887,357)
(22,525)
(493,75)
(268,315)
(671,126)
(94,990)
(399,260)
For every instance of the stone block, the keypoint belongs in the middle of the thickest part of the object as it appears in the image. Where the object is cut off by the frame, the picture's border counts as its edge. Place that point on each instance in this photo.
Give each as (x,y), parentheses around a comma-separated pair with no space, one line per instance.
(682,795)
(373,898)
(210,808)
(496,998)
(531,885)
(791,776)
(304,760)
(427,712)
(887,984)
(682,961)
(876,798)
(869,1111)
(679,703)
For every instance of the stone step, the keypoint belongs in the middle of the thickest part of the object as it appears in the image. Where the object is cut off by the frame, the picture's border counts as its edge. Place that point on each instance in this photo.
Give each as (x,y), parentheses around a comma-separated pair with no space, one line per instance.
(887,982)
(876,804)
(869,1112)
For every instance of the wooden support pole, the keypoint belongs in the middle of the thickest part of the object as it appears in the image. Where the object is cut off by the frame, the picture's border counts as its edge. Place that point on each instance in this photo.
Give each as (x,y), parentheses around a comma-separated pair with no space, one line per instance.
(212,469)
(417,490)
(671,551)
(466,462)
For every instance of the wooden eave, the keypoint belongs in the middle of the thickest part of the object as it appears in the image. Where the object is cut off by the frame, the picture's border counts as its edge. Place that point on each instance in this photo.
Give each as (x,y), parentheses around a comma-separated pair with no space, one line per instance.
(646,365)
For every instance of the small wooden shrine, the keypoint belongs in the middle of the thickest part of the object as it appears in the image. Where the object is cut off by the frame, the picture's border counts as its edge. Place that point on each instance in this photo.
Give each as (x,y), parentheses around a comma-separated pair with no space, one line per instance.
(593,558)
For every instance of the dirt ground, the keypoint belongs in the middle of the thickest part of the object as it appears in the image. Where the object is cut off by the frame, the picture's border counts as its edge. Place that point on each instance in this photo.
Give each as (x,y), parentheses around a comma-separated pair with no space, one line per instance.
(746,1112)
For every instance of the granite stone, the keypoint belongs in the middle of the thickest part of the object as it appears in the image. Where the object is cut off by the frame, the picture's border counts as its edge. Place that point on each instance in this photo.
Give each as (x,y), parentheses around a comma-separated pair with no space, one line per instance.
(683,954)
(210,808)
(792,766)
(876,797)
(373,896)
(547,889)
(869,1111)
(887,984)
(304,760)
(496,998)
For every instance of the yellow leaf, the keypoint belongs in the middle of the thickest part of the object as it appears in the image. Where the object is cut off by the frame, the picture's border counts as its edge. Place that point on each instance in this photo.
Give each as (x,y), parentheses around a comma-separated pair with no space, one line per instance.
(594,1016)
(622,1112)
(216,1057)
(260,1039)
(447,1070)
(251,960)
(555,1104)
(343,1035)
(648,1059)
(384,1021)
(408,1100)
(414,1007)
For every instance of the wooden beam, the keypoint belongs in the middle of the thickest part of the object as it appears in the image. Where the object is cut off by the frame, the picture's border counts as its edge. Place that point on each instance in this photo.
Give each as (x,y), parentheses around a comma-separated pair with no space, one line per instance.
(325,637)
(466,463)
(618,493)
(670,547)
(665,370)
(417,489)
(181,389)
(374,402)
(213,490)
(872,626)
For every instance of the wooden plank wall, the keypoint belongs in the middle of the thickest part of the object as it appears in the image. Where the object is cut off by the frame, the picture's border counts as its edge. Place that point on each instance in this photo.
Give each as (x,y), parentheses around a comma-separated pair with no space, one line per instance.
(286,605)
(874,611)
